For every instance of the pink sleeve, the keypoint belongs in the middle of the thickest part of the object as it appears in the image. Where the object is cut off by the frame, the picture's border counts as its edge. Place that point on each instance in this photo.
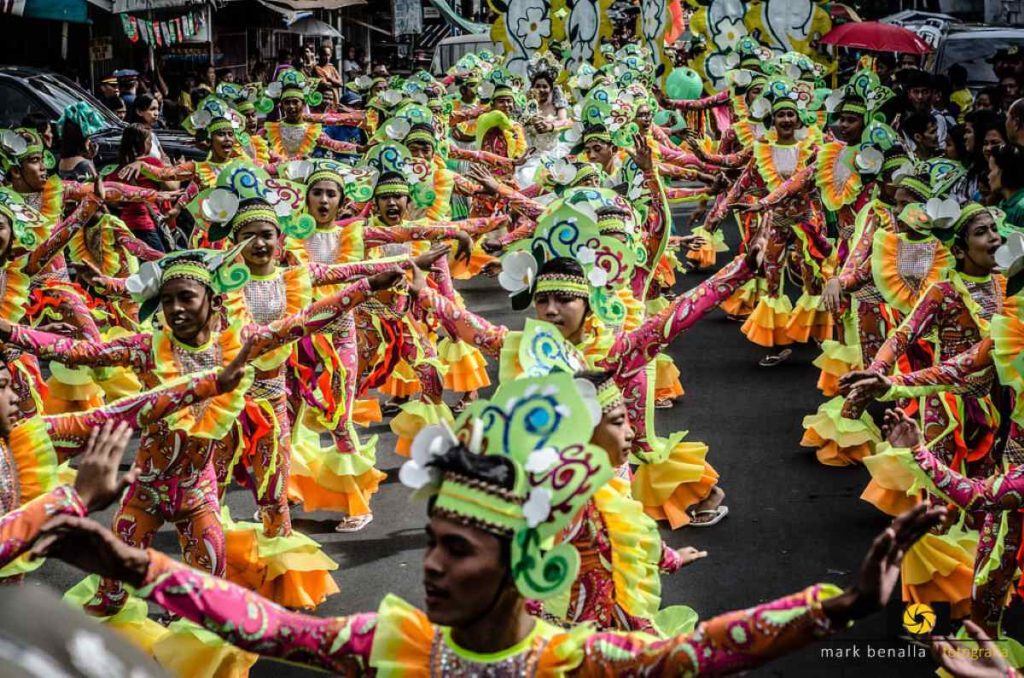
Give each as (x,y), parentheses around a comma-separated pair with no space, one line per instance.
(129,351)
(341,645)
(633,350)
(18,528)
(464,324)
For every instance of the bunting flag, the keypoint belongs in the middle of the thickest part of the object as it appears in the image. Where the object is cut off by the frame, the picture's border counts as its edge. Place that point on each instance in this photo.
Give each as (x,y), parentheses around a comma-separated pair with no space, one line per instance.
(161,33)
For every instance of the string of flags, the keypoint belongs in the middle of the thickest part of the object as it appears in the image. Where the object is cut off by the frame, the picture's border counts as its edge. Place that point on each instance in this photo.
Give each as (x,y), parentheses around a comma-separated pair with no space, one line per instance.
(161,33)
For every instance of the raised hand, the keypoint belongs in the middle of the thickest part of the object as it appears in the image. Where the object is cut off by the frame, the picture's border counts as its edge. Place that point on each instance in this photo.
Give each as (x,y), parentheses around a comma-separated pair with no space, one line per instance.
(130,171)
(96,482)
(386,279)
(901,431)
(832,295)
(966,661)
(755,252)
(464,250)
(91,547)
(426,260)
(880,570)
(641,153)
(418,281)
(230,376)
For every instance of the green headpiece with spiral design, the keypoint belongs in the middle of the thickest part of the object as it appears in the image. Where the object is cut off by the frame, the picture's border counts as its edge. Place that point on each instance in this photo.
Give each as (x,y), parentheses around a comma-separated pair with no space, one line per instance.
(534,424)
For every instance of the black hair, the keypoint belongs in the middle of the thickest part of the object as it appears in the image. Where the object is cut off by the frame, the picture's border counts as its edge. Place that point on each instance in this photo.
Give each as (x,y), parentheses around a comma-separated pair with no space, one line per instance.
(942,83)
(561,266)
(910,78)
(1009,158)
(114,102)
(141,103)
(916,123)
(957,76)
(36,120)
(956,135)
(543,75)
(994,94)
(886,59)
(133,143)
(72,141)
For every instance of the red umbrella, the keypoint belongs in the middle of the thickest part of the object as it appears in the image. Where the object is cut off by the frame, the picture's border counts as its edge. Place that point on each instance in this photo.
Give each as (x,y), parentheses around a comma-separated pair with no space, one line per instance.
(876,36)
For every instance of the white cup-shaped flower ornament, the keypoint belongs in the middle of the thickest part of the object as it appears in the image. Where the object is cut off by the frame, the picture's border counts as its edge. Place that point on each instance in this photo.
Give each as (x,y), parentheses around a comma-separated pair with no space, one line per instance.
(397,129)
(942,211)
(537,507)
(1010,256)
(869,160)
(486,89)
(518,271)
(220,205)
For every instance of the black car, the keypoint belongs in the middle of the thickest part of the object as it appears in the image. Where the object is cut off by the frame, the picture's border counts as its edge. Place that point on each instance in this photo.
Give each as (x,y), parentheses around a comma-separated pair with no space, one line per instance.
(24,89)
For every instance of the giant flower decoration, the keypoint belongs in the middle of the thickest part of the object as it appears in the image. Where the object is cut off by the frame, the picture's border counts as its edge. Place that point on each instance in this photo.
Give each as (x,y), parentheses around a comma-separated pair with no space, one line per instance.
(728,32)
(534,27)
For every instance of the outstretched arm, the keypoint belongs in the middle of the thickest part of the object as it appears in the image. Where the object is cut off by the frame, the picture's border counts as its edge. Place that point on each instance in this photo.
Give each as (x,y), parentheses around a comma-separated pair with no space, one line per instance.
(633,350)
(129,351)
(464,324)
(70,431)
(38,258)
(330,144)
(915,325)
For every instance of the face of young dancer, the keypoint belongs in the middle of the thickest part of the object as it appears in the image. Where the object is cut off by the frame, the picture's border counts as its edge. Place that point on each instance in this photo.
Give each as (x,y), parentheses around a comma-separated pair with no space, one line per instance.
(504,104)
(786,122)
(465,573)
(564,311)
(30,175)
(291,109)
(252,121)
(977,248)
(614,434)
(323,200)
(421,150)
(261,250)
(391,208)
(850,127)
(188,306)
(599,152)
(222,144)
(901,198)
(8,402)
(753,93)
(644,118)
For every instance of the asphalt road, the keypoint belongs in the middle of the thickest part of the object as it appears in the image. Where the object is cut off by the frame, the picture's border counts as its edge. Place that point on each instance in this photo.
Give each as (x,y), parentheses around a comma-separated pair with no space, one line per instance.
(792,521)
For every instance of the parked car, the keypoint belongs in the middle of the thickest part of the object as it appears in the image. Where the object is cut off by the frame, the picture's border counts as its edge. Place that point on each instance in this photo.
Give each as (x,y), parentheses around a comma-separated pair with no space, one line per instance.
(450,50)
(24,89)
(971,47)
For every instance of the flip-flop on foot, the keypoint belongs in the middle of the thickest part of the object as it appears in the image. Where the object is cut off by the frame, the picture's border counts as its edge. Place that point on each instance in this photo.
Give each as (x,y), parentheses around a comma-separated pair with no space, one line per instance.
(718,514)
(354,523)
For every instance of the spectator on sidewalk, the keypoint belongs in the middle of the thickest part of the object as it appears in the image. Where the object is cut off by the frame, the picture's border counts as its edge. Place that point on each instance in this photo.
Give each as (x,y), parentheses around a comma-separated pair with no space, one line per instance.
(325,70)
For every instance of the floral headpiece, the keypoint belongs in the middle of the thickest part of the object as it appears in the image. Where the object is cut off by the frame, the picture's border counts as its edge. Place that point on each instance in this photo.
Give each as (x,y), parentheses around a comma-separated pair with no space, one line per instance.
(397,126)
(83,115)
(966,215)
(863,95)
(780,94)
(213,114)
(18,144)
(569,228)
(245,193)
(213,268)
(933,178)
(28,226)
(556,175)
(875,155)
(292,84)
(398,173)
(497,83)
(543,64)
(534,425)
(243,98)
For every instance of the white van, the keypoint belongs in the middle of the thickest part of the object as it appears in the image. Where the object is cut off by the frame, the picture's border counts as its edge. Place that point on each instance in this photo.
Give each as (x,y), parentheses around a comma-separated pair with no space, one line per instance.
(450,50)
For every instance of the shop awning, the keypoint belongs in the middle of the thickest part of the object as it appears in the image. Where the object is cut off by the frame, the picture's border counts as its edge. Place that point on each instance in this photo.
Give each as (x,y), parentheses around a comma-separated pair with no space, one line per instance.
(73,11)
(143,5)
(317,4)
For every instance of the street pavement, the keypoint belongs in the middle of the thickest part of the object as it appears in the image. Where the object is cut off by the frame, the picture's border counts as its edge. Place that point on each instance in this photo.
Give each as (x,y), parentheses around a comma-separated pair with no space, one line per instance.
(792,521)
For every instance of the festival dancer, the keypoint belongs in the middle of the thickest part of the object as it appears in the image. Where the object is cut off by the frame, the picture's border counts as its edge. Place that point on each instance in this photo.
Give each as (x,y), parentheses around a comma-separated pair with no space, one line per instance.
(952,316)
(177,482)
(292,137)
(478,623)
(797,224)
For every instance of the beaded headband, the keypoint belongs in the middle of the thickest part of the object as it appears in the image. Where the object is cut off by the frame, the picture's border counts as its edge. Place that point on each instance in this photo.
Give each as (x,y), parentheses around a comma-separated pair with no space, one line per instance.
(596,136)
(253,212)
(609,396)
(219,124)
(563,284)
(189,270)
(493,509)
(420,135)
(395,185)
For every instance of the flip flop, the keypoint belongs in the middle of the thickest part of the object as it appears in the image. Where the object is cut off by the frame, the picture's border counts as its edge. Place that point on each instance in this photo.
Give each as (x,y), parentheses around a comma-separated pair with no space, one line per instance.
(718,513)
(354,523)
(773,360)
(664,404)
(390,409)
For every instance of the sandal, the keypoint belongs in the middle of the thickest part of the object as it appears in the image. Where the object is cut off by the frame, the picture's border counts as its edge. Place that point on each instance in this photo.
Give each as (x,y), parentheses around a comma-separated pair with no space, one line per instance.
(354,523)
(390,408)
(664,404)
(719,513)
(773,360)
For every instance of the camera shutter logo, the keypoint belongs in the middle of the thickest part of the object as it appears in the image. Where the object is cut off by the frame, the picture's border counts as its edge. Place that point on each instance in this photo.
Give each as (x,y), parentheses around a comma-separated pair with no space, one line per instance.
(918,618)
